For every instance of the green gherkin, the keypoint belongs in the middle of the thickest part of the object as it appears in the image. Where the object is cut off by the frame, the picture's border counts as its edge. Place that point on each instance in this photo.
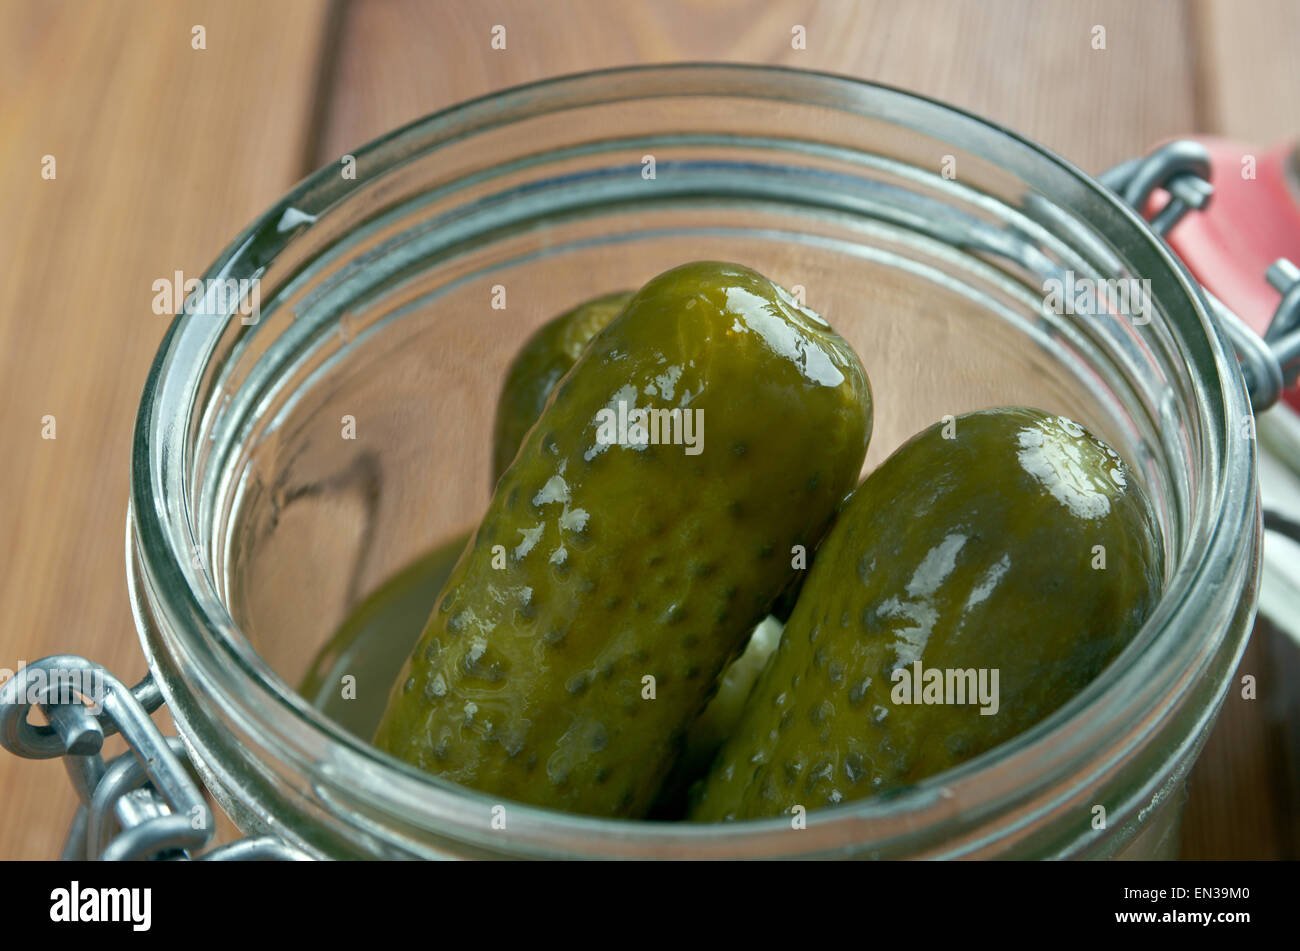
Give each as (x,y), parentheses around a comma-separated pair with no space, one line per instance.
(1021,544)
(540,364)
(375,639)
(544,358)
(377,636)
(538,367)
(609,583)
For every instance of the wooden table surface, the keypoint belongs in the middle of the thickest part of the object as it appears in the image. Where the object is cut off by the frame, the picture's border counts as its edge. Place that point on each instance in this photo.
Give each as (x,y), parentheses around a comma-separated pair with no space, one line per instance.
(163,152)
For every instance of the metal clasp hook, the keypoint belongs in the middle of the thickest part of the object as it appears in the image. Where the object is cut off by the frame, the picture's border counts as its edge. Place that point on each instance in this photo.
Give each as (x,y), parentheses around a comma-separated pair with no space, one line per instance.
(141,804)
(1182,168)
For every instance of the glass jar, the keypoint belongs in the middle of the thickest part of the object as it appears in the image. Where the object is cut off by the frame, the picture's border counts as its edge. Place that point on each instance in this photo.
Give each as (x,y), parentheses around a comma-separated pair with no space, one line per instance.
(287,461)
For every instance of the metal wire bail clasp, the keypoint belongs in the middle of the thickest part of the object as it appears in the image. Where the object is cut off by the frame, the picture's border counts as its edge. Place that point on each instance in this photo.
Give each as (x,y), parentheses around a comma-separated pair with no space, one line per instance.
(141,804)
(1182,168)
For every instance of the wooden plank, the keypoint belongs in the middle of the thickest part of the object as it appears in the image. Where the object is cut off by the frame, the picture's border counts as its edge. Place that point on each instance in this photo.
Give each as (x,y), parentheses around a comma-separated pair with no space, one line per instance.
(1028,65)
(1242,793)
(1249,76)
(162,154)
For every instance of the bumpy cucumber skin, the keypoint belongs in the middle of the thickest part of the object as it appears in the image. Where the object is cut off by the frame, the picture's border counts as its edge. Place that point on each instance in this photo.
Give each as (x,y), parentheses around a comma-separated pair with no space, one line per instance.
(375,639)
(540,364)
(544,358)
(529,680)
(986,541)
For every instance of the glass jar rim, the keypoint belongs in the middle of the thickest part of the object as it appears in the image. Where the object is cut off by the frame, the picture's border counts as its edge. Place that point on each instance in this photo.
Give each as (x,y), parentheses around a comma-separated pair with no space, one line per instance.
(1086,737)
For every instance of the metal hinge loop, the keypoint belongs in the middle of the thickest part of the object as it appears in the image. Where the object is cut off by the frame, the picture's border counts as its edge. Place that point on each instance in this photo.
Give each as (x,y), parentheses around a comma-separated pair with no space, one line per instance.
(1182,169)
(142,804)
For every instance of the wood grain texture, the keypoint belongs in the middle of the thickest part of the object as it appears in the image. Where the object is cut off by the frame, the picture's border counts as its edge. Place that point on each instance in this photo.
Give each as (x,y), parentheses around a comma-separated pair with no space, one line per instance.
(165,152)
(1243,790)
(162,154)
(1028,65)
(1249,68)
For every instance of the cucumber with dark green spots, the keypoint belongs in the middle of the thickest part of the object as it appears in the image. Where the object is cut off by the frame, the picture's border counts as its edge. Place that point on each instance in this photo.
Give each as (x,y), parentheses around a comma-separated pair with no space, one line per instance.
(374,640)
(624,560)
(544,358)
(1007,541)
(540,364)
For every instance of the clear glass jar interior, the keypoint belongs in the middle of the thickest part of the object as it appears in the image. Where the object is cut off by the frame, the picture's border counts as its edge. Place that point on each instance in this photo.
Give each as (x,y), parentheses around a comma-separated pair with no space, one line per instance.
(309,456)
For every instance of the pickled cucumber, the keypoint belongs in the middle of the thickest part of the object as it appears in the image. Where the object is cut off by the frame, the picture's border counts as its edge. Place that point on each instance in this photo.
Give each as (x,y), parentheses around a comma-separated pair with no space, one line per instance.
(625,556)
(374,640)
(544,358)
(1008,546)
